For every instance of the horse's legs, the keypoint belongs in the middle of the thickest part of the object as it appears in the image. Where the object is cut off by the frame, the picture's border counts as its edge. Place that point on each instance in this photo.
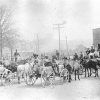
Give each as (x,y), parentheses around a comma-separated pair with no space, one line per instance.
(53,78)
(26,77)
(78,75)
(85,72)
(41,81)
(57,69)
(22,75)
(18,77)
(82,69)
(88,71)
(52,81)
(1,79)
(75,74)
(43,84)
(34,80)
(60,74)
(69,75)
(54,69)
(73,70)
(97,73)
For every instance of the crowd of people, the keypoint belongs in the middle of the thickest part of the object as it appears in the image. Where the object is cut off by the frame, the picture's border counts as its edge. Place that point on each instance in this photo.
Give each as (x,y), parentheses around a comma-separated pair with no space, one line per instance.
(93,53)
(47,66)
(90,53)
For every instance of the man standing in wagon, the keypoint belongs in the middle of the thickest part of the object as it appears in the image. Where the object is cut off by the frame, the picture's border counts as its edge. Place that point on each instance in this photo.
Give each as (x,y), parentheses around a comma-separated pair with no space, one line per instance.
(16,54)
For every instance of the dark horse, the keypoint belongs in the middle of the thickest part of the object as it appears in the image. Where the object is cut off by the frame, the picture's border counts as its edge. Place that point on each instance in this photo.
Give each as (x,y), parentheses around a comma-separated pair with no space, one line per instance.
(69,68)
(12,66)
(88,65)
(61,69)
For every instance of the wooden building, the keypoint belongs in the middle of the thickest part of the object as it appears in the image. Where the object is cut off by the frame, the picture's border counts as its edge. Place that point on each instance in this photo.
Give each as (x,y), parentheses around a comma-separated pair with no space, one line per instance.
(96,38)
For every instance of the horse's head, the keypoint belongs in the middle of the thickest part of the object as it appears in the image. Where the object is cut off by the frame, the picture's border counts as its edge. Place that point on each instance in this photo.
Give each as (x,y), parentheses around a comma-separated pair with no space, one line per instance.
(83,61)
(98,61)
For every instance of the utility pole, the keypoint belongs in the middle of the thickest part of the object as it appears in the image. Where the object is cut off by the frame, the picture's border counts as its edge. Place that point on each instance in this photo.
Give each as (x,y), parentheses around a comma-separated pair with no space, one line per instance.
(34,43)
(38,44)
(1,43)
(67,46)
(58,27)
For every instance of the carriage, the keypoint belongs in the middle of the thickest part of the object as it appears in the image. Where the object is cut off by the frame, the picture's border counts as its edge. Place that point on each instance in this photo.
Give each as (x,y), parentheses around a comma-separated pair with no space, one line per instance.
(47,73)
(45,70)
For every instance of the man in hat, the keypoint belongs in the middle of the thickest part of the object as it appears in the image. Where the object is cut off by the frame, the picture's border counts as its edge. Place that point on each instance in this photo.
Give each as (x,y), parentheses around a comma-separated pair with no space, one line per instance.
(16,54)
(75,56)
(81,55)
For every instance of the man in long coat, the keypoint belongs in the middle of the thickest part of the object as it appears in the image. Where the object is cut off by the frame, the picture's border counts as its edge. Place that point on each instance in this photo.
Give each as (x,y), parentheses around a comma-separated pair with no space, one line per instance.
(16,54)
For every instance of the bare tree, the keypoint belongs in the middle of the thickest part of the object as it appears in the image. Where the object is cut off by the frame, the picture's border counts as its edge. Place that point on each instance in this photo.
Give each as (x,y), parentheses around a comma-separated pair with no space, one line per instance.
(7,33)
(10,40)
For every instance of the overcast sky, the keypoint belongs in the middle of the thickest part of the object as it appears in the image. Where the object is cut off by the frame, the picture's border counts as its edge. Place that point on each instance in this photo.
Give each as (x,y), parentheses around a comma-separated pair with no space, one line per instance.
(38,16)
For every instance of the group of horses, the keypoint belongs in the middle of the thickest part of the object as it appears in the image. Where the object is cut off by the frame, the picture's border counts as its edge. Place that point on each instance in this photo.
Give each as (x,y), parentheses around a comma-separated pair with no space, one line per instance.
(47,70)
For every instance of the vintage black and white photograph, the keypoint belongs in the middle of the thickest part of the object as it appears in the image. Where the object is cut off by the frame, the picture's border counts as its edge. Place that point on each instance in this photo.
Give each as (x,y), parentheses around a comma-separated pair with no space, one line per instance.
(49,49)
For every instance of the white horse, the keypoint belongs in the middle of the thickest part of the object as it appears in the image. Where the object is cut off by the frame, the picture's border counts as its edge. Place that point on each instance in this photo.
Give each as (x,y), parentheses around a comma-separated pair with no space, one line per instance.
(96,53)
(59,67)
(61,70)
(91,55)
(25,70)
(43,72)
(76,67)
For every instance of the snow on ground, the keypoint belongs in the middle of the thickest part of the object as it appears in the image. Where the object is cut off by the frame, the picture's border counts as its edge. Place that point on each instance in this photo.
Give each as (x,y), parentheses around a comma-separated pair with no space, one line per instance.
(85,89)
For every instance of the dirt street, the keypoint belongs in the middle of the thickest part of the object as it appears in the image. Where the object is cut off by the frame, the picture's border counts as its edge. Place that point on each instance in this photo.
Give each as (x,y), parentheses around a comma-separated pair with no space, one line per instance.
(85,89)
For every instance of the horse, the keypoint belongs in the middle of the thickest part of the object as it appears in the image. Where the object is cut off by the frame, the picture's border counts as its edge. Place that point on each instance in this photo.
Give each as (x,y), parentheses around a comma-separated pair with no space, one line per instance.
(47,74)
(96,54)
(68,66)
(44,71)
(24,69)
(91,55)
(75,66)
(23,61)
(60,70)
(90,64)
(10,65)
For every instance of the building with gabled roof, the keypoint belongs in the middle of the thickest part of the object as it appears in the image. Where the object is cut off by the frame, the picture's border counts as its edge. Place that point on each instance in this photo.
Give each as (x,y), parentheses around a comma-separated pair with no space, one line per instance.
(96,38)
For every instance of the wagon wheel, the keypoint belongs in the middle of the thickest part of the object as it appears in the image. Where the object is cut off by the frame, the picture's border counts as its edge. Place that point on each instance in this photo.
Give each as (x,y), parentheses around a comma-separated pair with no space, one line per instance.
(31,79)
(43,80)
(80,72)
(6,79)
(64,74)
